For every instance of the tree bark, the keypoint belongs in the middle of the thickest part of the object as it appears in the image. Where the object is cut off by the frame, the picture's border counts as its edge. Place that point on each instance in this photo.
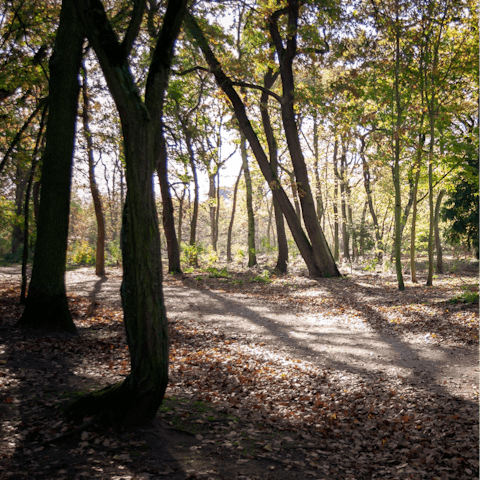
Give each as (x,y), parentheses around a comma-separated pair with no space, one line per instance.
(46,305)
(321,251)
(252,256)
(168,219)
(20,185)
(97,201)
(396,166)
(26,227)
(282,259)
(438,243)
(232,218)
(336,240)
(343,198)
(136,400)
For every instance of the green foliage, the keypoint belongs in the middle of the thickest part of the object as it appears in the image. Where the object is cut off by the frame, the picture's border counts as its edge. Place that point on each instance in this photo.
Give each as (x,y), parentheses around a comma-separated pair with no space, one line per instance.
(114,252)
(81,253)
(371,265)
(462,207)
(190,253)
(267,246)
(467,296)
(213,272)
(264,277)
(210,257)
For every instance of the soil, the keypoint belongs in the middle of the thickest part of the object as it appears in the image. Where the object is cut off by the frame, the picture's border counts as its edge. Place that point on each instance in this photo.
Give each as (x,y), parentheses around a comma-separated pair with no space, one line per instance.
(356,339)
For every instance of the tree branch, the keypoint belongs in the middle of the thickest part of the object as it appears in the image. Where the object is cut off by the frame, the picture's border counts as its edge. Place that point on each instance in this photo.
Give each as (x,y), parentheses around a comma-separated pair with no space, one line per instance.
(19,134)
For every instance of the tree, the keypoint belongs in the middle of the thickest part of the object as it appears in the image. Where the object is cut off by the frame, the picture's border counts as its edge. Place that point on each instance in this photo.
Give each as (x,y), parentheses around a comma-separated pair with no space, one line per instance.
(136,400)
(317,264)
(46,305)
(97,200)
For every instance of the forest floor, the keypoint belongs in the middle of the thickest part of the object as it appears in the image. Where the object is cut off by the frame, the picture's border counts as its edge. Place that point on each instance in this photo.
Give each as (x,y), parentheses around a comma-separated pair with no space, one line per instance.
(271,377)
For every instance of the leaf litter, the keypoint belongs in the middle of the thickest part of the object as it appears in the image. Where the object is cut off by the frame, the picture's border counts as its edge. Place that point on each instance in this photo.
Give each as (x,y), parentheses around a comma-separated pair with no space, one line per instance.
(236,407)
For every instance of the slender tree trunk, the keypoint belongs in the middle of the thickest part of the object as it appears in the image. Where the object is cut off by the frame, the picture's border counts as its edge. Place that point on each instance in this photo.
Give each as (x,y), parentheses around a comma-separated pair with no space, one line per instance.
(438,243)
(180,216)
(217,213)
(97,201)
(194,220)
(269,223)
(282,259)
(318,188)
(17,232)
(136,400)
(336,242)
(232,218)
(343,200)
(396,167)
(413,270)
(46,305)
(211,207)
(429,282)
(173,247)
(286,55)
(23,292)
(252,256)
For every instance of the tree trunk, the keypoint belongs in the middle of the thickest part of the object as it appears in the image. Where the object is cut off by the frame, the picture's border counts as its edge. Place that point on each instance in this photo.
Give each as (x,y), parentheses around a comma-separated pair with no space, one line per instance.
(217,211)
(252,256)
(173,248)
(26,227)
(17,232)
(321,251)
(396,167)
(230,226)
(282,259)
(368,190)
(343,198)
(136,400)
(46,305)
(429,282)
(438,243)
(315,267)
(336,240)
(97,201)
(316,154)
(413,270)
(194,220)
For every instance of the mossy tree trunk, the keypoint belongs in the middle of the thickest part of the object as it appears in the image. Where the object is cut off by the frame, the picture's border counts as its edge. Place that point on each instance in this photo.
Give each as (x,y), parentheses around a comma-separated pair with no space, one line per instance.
(136,400)
(46,305)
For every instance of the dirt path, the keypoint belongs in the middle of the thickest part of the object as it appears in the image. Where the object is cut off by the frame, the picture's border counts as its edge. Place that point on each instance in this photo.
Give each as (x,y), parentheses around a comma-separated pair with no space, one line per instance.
(337,341)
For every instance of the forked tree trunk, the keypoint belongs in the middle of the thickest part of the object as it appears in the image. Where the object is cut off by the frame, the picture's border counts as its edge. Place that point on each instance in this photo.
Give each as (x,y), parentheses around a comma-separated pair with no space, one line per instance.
(136,400)
(282,259)
(316,266)
(46,305)
(321,250)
